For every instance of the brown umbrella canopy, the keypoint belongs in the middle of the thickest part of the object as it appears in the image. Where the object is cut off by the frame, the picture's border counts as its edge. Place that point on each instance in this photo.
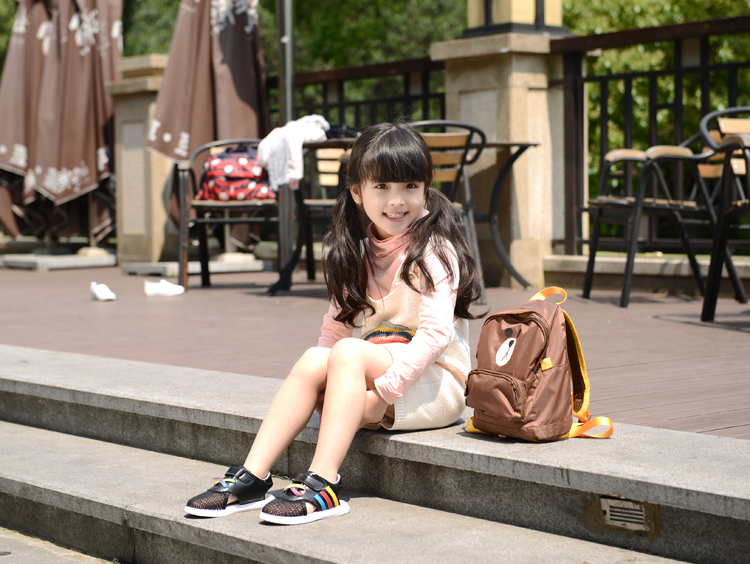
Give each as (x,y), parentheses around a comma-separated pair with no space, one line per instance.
(19,98)
(74,124)
(214,83)
(59,118)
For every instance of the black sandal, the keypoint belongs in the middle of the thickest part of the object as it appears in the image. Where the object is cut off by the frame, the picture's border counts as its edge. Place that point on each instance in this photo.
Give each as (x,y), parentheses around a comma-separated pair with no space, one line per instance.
(290,508)
(249,490)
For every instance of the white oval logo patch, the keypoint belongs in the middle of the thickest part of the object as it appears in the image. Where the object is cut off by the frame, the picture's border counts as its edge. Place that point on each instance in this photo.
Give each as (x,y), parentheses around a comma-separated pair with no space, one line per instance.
(505,352)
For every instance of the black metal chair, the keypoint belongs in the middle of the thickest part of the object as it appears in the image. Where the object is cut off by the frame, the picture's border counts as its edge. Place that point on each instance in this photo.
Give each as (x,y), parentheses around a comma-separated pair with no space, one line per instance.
(734,201)
(698,204)
(214,212)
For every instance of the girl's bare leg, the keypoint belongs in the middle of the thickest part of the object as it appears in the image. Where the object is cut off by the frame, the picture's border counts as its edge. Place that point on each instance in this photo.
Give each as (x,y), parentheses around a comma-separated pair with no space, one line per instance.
(353,365)
(290,410)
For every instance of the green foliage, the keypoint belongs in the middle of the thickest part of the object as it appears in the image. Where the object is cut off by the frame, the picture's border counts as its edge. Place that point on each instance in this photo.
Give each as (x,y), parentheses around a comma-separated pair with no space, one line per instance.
(7,13)
(595,18)
(148,25)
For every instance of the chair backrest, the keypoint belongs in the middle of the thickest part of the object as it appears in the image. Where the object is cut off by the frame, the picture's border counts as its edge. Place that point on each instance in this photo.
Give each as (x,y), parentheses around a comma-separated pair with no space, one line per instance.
(327,166)
(453,145)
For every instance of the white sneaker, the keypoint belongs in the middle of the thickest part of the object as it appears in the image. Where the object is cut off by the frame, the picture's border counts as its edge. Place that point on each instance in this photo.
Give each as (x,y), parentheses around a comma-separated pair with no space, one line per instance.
(101,293)
(162,288)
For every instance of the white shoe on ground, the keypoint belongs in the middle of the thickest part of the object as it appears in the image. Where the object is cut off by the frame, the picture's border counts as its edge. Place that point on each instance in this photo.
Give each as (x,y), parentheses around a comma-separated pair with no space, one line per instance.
(101,293)
(162,288)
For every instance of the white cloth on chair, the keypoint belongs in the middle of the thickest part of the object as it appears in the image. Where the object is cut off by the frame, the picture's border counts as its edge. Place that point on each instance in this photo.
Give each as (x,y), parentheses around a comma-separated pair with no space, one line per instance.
(281,151)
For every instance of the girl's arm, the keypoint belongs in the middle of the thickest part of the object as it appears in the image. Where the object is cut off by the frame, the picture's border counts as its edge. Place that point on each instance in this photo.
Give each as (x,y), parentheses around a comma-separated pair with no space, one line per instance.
(433,334)
(332,331)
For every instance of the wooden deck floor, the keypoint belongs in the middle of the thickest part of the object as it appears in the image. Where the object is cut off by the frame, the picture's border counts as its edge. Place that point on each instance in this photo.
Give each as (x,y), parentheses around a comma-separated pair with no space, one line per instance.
(652,364)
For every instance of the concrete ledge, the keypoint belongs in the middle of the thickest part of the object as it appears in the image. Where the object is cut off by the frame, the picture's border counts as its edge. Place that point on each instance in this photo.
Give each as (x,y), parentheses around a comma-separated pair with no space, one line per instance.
(170,269)
(695,489)
(125,503)
(655,275)
(57,262)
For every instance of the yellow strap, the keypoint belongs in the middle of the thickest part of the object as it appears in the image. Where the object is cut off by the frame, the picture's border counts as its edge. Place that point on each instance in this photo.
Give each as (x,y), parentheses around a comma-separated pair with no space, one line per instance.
(577,430)
(471,429)
(551,291)
(578,374)
(580,429)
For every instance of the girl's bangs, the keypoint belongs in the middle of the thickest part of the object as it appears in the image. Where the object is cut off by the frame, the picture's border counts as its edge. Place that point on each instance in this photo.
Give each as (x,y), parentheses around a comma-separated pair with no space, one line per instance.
(398,156)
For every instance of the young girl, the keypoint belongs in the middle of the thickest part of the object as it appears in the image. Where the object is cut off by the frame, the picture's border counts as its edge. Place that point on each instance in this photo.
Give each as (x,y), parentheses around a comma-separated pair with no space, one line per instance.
(410,277)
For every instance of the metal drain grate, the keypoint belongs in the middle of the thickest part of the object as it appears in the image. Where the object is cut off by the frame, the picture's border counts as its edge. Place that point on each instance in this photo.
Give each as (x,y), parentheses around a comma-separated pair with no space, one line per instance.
(625,514)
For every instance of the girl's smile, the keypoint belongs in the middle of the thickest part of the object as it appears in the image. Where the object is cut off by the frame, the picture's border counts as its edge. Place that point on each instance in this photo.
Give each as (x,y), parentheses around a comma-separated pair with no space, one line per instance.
(391,206)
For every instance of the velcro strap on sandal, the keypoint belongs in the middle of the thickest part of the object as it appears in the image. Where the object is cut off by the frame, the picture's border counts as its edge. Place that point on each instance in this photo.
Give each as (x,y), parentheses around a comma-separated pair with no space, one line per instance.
(313,488)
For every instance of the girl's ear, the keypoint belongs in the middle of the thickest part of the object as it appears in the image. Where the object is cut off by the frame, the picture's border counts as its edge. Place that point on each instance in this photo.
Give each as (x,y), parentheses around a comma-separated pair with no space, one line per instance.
(356,194)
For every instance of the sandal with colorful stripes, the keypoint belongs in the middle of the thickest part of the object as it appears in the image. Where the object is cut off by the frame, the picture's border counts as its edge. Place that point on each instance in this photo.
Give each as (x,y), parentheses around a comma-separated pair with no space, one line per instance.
(290,508)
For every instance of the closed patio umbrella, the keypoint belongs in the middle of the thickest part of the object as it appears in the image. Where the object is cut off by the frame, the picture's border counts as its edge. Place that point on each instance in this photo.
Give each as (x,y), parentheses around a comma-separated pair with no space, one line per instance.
(214,83)
(19,98)
(69,117)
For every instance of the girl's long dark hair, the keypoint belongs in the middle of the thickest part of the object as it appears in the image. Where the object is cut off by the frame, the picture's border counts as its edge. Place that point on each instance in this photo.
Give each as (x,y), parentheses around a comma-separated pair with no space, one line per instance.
(393,153)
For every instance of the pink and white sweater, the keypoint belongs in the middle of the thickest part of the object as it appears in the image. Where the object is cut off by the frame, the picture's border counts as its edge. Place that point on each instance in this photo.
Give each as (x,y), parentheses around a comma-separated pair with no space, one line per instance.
(435,328)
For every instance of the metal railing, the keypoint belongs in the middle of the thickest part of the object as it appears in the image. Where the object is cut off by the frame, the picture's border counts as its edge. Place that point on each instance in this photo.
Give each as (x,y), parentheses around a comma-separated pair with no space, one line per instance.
(717,84)
(411,89)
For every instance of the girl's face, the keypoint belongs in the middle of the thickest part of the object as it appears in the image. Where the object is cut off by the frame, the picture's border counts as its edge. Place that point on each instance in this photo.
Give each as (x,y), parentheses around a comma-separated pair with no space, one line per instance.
(391,206)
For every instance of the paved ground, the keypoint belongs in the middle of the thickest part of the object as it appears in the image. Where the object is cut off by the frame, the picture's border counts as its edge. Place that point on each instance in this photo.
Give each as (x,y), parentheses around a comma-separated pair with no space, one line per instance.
(18,548)
(652,364)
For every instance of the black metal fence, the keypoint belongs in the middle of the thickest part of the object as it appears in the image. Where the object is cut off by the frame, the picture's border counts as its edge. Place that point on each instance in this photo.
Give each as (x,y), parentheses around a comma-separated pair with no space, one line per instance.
(606,103)
(406,90)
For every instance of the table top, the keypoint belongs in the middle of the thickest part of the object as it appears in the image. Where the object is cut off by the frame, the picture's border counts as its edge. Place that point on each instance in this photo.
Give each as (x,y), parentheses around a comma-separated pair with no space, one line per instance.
(345,142)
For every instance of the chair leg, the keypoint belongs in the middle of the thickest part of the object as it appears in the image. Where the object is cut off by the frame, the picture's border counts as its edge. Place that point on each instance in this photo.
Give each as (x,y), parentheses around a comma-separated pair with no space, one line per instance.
(588,280)
(203,252)
(182,173)
(688,246)
(635,222)
(309,252)
(713,283)
(734,277)
(285,275)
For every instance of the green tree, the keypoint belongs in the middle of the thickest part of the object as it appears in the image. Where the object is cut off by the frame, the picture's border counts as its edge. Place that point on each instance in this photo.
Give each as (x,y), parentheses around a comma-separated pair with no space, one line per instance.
(7,13)
(588,18)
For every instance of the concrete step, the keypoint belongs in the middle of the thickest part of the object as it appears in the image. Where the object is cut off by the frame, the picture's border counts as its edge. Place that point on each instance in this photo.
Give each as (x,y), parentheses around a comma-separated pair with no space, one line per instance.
(126,503)
(19,548)
(652,274)
(690,492)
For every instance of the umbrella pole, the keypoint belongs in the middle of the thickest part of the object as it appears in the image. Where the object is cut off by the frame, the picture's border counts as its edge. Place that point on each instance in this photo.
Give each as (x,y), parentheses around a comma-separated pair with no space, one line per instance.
(284,17)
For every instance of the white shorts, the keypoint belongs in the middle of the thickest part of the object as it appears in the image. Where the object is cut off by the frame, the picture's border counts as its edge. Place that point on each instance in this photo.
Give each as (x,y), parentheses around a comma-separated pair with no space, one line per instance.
(435,400)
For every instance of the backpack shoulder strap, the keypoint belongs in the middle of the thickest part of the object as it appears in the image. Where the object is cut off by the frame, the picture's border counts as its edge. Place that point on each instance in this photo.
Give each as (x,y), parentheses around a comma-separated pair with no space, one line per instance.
(551,291)
(581,389)
(578,373)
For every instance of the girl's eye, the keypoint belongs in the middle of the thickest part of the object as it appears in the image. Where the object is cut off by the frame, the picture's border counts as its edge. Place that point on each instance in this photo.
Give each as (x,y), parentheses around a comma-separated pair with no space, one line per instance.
(381,186)
(411,185)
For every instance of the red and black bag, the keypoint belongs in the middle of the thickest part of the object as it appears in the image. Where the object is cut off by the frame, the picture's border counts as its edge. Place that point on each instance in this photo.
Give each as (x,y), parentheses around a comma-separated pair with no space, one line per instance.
(234,174)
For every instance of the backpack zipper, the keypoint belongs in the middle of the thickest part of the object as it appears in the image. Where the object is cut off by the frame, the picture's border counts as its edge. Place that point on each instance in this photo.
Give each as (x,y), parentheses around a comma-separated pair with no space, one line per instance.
(541,322)
(513,382)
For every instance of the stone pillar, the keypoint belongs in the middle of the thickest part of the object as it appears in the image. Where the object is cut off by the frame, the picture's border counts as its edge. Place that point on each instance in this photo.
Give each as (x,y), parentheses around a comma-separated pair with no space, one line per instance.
(144,231)
(509,85)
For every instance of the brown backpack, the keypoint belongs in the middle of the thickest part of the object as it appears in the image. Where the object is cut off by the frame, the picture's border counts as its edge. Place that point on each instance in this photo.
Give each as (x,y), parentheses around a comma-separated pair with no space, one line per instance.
(526,359)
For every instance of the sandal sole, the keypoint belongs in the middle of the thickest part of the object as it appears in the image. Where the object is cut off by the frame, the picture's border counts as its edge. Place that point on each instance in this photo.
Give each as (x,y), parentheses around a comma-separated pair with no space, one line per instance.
(342,509)
(230,509)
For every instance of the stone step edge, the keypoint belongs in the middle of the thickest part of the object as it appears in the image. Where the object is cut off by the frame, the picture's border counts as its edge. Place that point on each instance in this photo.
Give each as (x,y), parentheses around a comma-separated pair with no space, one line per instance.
(88,511)
(643,266)
(631,464)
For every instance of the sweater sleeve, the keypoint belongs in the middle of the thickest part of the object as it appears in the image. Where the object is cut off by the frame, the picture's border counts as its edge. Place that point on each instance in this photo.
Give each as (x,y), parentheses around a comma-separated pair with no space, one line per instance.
(433,334)
(332,331)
